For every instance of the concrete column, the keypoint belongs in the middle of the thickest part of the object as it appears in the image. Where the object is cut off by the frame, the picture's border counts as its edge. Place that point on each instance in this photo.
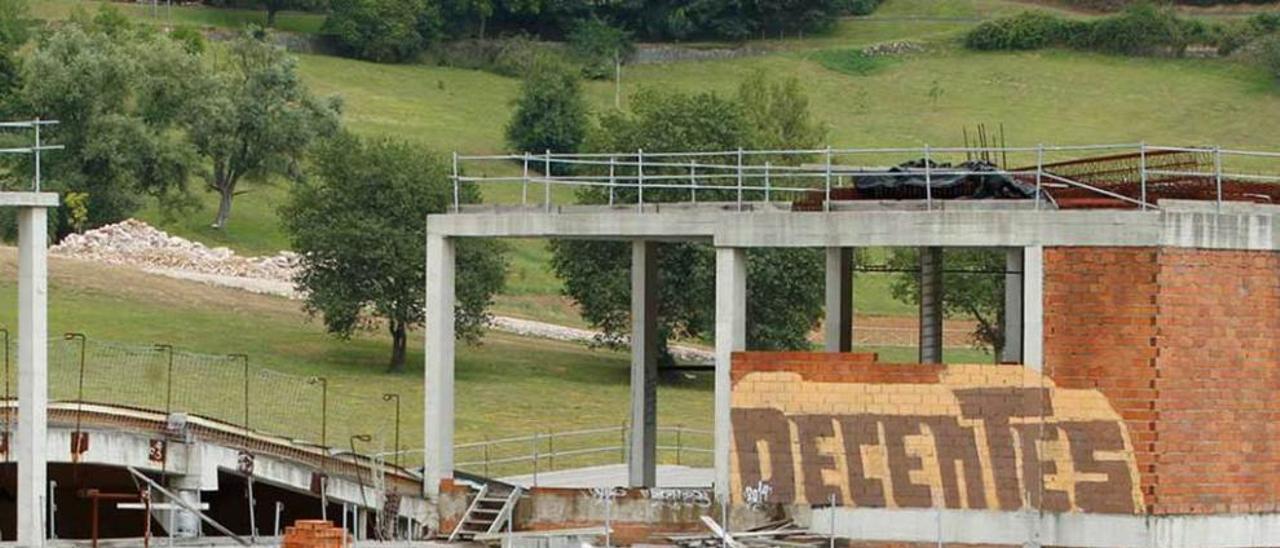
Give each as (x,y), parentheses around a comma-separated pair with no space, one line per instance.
(839,322)
(33,374)
(186,524)
(1033,308)
(1012,352)
(642,464)
(731,336)
(438,423)
(931,305)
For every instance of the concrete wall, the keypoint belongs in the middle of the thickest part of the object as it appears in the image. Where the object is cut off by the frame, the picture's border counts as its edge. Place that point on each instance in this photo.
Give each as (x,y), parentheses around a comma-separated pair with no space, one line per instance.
(810,428)
(1183,343)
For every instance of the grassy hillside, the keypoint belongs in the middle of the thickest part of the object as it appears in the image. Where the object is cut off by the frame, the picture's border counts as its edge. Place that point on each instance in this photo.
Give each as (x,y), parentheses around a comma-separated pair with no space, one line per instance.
(1045,96)
(177,14)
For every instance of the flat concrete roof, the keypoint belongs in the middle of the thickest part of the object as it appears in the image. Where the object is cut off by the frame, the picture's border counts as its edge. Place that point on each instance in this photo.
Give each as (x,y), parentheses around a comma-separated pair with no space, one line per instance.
(1178,223)
(28,199)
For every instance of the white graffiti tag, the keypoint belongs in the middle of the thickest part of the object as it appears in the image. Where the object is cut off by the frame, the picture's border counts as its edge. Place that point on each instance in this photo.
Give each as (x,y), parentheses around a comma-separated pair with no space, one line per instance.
(700,498)
(757,495)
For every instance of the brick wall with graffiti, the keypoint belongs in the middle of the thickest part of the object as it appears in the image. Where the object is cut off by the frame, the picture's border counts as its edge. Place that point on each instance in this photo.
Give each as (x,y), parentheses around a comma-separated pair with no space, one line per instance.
(813,428)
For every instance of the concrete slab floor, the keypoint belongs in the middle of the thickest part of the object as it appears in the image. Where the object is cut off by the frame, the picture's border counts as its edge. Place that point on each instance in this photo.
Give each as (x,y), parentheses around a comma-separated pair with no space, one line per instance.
(615,475)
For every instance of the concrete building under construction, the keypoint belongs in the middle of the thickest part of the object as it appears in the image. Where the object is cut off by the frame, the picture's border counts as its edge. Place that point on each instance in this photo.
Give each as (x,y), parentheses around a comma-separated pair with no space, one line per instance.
(1133,406)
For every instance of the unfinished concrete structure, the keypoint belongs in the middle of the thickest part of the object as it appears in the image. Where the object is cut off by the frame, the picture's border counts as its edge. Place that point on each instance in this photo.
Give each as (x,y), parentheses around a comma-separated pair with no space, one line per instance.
(1134,372)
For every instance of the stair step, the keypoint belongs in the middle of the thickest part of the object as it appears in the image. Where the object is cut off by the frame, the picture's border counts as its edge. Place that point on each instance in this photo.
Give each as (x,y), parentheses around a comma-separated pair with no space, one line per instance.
(494,511)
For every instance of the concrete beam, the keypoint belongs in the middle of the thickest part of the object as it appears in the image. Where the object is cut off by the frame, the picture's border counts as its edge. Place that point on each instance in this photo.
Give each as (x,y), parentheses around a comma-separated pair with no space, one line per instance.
(438,422)
(731,336)
(931,305)
(838,326)
(895,224)
(33,373)
(642,463)
(1033,308)
(1013,266)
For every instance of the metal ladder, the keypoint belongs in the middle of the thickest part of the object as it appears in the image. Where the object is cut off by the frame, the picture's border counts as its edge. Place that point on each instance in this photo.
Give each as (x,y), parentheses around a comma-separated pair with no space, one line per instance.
(488,513)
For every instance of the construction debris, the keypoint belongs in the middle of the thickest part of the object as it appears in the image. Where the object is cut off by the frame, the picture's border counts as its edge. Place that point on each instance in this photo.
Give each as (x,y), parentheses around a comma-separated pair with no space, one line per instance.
(782,533)
(135,243)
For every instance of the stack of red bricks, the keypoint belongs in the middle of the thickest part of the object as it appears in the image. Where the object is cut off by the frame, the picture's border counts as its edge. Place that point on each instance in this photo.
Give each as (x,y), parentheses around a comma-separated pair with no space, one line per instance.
(314,534)
(833,367)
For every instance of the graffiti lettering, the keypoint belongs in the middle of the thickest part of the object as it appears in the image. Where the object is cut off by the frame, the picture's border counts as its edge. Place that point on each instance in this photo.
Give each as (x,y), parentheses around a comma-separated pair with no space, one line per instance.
(700,498)
(1004,449)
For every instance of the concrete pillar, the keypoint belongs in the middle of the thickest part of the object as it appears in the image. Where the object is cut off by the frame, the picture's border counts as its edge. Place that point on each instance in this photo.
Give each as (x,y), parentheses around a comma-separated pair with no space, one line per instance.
(931,305)
(438,393)
(1033,308)
(839,303)
(1012,352)
(186,524)
(33,374)
(731,336)
(642,465)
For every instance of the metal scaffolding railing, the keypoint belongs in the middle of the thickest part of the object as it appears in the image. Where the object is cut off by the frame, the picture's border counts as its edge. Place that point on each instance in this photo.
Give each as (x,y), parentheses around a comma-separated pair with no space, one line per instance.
(741,176)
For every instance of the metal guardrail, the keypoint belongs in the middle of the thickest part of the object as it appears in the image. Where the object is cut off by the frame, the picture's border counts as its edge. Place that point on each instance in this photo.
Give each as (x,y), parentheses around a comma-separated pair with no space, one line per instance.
(35,150)
(737,175)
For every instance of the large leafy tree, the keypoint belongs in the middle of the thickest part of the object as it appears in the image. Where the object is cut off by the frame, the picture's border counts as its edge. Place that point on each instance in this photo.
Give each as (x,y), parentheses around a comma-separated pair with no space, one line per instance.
(973,286)
(784,285)
(255,118)
(383,30)
(551,112)
(120,93)
(359,227)
(14,25)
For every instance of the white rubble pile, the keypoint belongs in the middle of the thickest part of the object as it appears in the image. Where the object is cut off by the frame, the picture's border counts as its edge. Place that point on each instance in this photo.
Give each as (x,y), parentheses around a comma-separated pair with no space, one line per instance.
(134,243)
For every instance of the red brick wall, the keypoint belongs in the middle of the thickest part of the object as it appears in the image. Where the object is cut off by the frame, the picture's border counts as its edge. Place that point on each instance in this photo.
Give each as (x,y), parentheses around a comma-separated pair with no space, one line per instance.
(1219,382)
(1184,344)
(1099,332)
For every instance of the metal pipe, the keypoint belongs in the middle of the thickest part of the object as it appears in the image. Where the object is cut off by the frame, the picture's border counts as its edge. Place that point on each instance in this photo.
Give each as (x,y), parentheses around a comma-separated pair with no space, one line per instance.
(928,178)
(37,154)
(456,205)
(324,443)
(826,204)
(546,174)
(640,180)
(524,185)
(612,180)
(8,404)
(359,476)
(244,357)
(388,397)
(1039,174)
(1142,172)
(176,499)
(168,391)
(1217,174)
(740,182)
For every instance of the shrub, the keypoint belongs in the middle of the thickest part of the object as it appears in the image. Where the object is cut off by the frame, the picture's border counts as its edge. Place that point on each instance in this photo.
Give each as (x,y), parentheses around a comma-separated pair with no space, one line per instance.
(1026,30)
(551,112)
(191,39)
(382,30)
(853,62)
(1269,54)
(1143,29)
(510,56)
(597,45)
(861,7)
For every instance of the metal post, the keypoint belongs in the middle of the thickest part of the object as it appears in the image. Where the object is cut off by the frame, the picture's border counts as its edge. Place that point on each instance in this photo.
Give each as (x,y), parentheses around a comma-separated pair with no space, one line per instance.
(928,179)
(613,165)
(739,178)
(37,154)
(546,182)
(245,358)
(535,459)
(524,183)
(53,510)
(640,180)
(693,181)
(551,450)
(1142,171)
(456,205)
(608,519)
(679,444)
(826,204)
(832,523)
(622,442)
(1039,173)
(75,435)
(396,447)
(767,165)
(324,443)
(8,403)
(486,455)
(168,389)
(279,509)
(253,507)
(1217,173)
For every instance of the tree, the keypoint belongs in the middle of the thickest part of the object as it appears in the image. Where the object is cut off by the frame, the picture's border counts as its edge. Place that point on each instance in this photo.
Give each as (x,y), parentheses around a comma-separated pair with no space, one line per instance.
(359,228)
(383,30)
(973,287)
(119,93)
(274,7)
(551,113)
(256,119)
(784,285)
